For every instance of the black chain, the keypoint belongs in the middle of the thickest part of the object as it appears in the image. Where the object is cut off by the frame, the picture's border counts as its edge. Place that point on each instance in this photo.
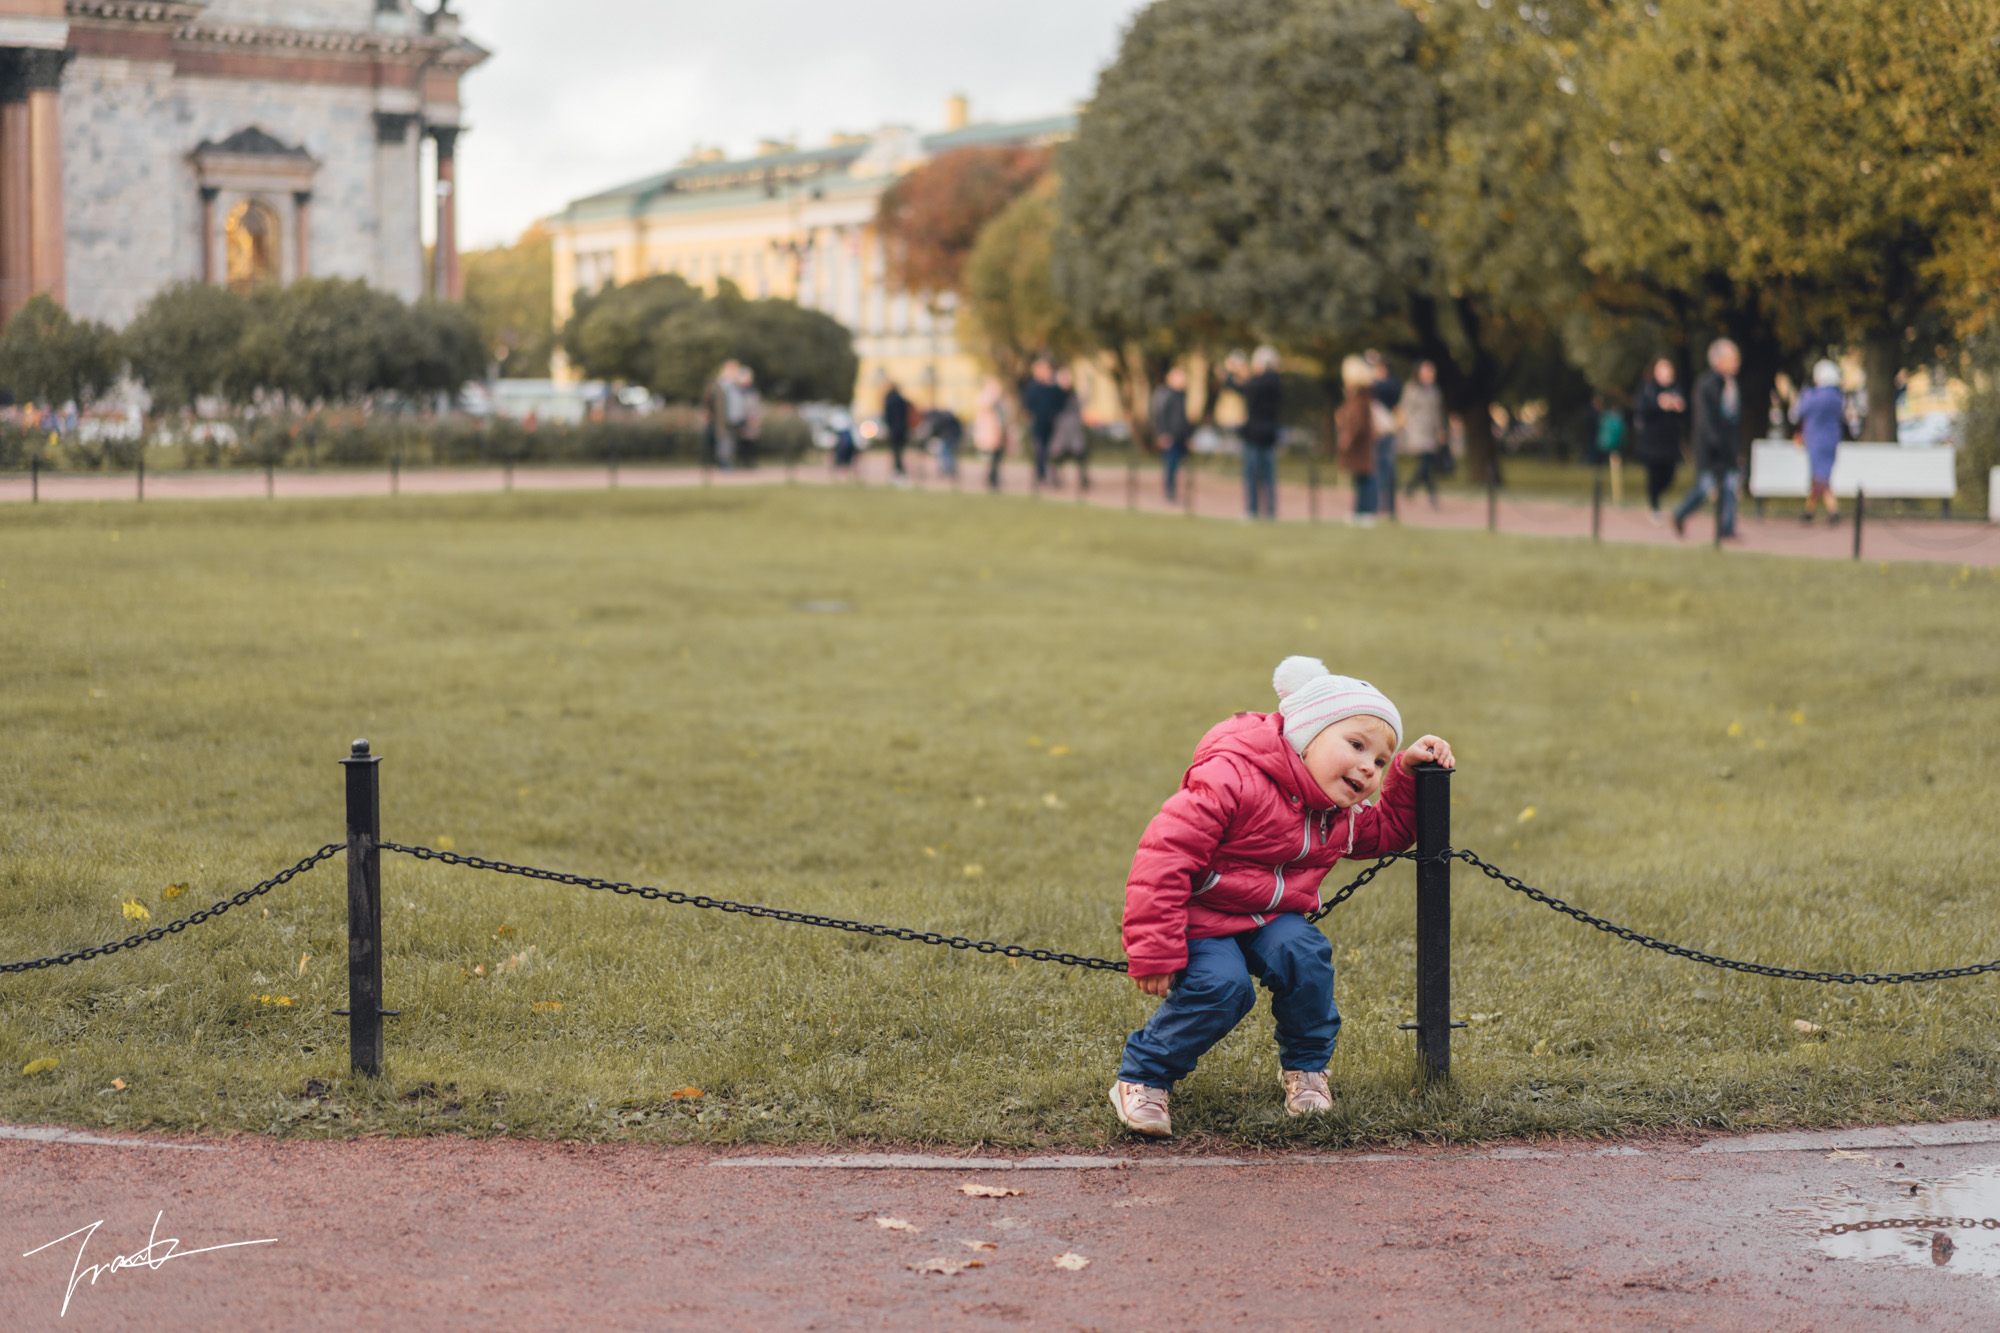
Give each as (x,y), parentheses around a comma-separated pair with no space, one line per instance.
(1348,892)
(678,898)
(1917,1223)
(176,927)
(1695,955)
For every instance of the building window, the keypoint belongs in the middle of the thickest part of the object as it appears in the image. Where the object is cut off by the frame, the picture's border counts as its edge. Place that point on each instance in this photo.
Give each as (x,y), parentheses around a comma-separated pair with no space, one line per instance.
(251,237)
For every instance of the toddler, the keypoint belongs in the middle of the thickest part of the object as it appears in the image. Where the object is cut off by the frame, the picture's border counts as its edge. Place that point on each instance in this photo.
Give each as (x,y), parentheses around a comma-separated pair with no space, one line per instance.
(1227,869)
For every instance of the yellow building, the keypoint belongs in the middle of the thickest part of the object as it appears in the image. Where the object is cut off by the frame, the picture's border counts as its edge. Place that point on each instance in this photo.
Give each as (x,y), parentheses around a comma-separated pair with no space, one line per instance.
(796,223)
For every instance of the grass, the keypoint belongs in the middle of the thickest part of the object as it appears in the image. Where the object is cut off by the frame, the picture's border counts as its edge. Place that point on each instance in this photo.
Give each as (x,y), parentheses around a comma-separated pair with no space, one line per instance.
(1783,760)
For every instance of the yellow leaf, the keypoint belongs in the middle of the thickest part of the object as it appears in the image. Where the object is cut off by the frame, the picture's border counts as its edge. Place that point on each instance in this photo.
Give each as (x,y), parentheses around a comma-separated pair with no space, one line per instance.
(974,871)
(1798,717)
(1058,749)
(305,960)
(1757,744)
(1051,800)
(686,1094)
(135,910)
(41,1066)
(445,844)
(1525,815)
(548,1006)
(1035,741)
(173,891)
(118,1083)
(986,1191)
(930,851)
(1072,1262)
(1735,729)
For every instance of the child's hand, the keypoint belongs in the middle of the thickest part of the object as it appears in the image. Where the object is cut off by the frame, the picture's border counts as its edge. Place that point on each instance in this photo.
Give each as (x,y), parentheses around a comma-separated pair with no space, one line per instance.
(1156,986)
(1428,750)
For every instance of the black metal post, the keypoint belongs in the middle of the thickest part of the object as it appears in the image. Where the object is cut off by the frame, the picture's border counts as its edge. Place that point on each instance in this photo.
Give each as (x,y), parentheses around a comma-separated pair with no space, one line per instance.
(1860,508)
(1433,922)
(396,473)
(1493,497)
(35,479)
(507,470)
(1312,487)
(1187,484)
(1597,506)
(142,477)
(270,480)
(1132,477)
(364,909)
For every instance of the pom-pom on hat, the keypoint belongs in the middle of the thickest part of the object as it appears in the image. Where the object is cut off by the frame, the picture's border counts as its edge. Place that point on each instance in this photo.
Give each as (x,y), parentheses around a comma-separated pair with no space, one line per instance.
(1312,698)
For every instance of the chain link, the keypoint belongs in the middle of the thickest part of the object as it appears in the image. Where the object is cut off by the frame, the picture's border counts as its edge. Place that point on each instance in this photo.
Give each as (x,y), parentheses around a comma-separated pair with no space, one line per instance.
(176,927)
(678,898)
(1917,1223)
(1348,892)
(1695,955)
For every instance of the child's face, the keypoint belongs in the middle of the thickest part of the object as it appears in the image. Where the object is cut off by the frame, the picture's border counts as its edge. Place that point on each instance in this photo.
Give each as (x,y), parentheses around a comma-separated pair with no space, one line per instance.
(1349,757)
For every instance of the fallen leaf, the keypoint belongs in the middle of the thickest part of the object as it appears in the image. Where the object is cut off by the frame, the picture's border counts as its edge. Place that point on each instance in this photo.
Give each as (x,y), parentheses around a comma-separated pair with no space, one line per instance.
(548,1006)
(135,910)
(1525,815)
(987,1191)
(895,1224)
(974,871)
(948,1267)
(1735,729)
(1803,1026)
(979,1245)
(1798,717)
(445,844)
(1051,800)
(41,1066)
(1058,749)
(686,1094)
(118,1083)
(304,960)
(173,891)
(1072,1262)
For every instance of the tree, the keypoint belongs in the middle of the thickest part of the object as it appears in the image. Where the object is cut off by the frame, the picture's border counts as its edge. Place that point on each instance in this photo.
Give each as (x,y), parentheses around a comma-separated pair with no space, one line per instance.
(1807,166)
(930,219)
(797,355)
(182,342)
(47,357)
(1011,308)
(510,290)
(438,351)
(610,335)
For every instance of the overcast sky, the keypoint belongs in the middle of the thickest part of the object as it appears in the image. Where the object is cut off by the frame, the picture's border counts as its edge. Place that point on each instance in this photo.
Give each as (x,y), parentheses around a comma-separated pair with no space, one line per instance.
(584,94)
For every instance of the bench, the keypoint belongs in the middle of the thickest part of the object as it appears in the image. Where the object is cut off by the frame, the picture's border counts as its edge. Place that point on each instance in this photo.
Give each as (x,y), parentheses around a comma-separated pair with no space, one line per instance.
(1778,470)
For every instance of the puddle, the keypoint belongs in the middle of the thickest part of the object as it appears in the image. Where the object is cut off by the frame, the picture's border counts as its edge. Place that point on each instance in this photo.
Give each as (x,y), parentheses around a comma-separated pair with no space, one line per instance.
(1951,1223)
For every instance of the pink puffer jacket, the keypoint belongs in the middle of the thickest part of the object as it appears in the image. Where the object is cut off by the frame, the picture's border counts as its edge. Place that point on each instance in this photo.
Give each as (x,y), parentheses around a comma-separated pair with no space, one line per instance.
(1248,836)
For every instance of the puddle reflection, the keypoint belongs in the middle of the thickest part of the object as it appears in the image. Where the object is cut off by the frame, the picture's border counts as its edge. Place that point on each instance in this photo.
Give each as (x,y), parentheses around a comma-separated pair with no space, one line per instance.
(1952,1223)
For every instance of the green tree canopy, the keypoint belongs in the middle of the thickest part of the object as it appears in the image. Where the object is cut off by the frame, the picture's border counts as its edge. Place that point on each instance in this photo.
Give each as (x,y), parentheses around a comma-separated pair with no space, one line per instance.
(1011,311)
(510,290)
(797,355)
(46,357)
(183,341)
(610,334)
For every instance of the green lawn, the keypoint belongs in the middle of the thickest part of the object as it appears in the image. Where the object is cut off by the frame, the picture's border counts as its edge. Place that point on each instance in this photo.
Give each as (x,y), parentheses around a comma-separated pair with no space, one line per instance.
(1783,760)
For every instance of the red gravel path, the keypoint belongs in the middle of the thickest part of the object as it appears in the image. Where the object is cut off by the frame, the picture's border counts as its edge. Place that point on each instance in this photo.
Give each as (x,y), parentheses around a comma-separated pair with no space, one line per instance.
(459,1234)
(1216,497)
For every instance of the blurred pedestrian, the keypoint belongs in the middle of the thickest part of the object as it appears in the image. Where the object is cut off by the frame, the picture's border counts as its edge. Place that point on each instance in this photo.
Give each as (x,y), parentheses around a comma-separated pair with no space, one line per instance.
(1388,392)
(1262,393)
(896,425)
(749,424)
(1171,428)
(1066,437)
(1660,415)
(1820,412)
(992,428)
(1354,435)
(841,426)
(944,428)
(1042,399)
(1718,431)
(1610,442)
(722,401)
(1423,431)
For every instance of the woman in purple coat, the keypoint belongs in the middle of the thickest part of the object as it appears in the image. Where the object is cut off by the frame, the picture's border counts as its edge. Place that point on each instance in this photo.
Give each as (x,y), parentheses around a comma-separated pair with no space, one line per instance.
(1818,413)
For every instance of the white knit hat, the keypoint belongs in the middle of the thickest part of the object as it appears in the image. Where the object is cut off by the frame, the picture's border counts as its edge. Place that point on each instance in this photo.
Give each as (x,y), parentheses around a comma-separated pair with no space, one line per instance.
(1312,698)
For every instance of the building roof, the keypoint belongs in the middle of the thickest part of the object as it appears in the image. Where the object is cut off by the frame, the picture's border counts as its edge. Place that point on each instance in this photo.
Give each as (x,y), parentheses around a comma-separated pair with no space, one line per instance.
(819,171)
(251,142)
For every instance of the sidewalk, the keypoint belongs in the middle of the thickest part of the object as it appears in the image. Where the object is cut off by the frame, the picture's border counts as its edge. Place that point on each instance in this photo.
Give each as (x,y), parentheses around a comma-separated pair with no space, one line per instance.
(1901,539)
(1813,1230)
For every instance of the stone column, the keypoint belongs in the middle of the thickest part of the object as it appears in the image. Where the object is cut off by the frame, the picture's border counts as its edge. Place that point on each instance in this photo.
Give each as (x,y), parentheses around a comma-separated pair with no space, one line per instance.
(302,224)
(42,73)
(16,218)
(399,254)
(444,258)
(208,194)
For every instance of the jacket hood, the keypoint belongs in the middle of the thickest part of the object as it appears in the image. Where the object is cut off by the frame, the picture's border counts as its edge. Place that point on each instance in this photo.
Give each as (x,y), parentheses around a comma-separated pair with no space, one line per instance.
(1259,739)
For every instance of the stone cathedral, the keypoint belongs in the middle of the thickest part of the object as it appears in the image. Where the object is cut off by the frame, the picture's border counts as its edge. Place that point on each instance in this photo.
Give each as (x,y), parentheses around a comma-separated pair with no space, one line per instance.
(144,142)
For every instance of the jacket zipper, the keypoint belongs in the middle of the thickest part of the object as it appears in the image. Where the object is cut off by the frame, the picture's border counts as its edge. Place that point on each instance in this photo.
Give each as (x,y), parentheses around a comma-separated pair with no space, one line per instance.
(1278,874)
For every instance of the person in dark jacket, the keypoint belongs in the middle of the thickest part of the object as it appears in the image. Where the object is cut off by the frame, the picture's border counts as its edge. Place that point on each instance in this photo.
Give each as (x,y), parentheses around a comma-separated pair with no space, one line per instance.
(1718,440)
(1388,391)
(896,424)
(1043,400)
(1659,414)
(1263,395)
(1171,428)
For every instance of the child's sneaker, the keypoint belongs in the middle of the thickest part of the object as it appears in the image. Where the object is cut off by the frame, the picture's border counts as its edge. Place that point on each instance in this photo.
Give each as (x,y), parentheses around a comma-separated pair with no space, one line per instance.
(1305,1090)
(1143,1110)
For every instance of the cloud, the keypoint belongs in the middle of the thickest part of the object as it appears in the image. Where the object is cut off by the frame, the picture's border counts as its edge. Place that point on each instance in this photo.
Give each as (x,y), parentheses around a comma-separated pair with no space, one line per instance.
(586,94)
